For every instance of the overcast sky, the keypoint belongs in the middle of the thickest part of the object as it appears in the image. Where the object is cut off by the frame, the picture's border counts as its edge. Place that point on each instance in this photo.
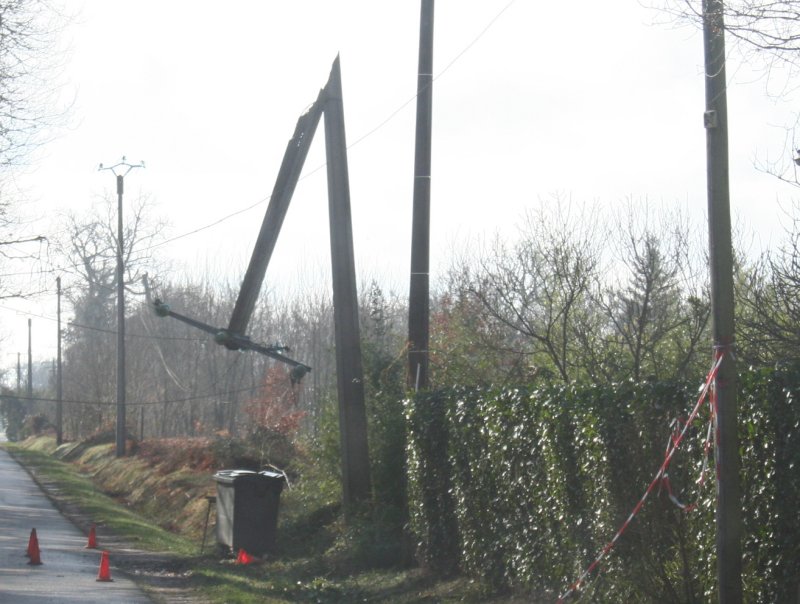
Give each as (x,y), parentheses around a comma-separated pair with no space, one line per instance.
(594,101)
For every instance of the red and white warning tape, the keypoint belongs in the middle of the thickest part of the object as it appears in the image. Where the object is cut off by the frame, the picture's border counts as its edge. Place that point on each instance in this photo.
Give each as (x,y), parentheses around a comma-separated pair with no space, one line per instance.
(661,477)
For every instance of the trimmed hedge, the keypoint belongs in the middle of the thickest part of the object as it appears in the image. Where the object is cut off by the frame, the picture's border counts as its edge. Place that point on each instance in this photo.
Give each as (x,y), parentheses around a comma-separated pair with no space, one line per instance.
(523,487)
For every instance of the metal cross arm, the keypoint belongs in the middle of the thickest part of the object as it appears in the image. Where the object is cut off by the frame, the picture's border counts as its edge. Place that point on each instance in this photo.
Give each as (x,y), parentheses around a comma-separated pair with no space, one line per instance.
(234,341)
(288,175)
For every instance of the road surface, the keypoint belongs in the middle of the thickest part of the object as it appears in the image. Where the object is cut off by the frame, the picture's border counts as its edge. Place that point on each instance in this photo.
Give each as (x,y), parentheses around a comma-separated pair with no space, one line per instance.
(68,572)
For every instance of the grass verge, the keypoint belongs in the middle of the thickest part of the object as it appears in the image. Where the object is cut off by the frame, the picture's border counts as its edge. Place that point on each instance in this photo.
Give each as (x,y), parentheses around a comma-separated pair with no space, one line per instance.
(320,560)
(70,488)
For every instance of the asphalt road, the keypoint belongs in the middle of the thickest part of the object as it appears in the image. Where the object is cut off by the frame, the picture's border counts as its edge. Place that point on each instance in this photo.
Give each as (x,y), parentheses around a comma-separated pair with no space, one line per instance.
(68,572)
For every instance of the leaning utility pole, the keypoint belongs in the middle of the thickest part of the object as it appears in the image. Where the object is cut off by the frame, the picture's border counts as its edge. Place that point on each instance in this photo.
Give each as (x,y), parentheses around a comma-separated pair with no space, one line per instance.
(729,520)
(418,295)
(119,171)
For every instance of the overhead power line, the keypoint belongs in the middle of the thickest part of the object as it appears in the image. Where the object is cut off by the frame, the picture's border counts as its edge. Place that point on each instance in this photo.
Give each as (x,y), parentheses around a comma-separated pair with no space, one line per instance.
(196,397)
(37,238)
(357,141)
(368,134)
(104,330)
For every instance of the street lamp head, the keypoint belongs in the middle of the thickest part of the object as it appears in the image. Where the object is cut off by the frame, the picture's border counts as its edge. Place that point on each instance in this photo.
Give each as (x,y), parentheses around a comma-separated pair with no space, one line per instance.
(100,167)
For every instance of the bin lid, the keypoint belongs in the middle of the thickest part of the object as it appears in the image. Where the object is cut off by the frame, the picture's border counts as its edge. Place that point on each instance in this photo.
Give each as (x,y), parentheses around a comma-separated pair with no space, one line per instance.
(229,476)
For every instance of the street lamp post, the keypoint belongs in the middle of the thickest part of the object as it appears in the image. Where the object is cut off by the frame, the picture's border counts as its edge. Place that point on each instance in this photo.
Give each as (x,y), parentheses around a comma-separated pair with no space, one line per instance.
(120,170)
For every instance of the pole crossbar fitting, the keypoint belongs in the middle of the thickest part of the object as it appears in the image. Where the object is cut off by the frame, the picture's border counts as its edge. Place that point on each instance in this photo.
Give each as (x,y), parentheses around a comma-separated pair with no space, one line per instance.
(121,168)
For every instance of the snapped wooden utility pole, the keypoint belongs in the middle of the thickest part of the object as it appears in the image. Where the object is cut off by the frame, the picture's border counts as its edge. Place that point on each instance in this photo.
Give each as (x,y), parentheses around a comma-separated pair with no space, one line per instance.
(349,369)
(728,517)
(288,175)
(356,489)
(419,288)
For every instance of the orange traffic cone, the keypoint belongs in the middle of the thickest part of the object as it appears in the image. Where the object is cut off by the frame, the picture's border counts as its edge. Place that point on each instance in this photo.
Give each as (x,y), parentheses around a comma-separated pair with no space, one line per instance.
(92,544)
(31,541)
(105,572)
(33,549)
(244,558)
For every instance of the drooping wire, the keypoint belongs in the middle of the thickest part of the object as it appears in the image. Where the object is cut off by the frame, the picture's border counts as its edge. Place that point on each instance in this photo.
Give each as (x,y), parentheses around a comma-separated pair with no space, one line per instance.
(196,397)
(360,139)
(105,330)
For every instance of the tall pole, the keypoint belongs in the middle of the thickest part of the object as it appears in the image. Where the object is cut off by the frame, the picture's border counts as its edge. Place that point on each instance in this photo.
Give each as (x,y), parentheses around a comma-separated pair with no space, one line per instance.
(418,296)
(30,363)
(59,390)
(120,431)
(356,485)
(120,170)
(728,517)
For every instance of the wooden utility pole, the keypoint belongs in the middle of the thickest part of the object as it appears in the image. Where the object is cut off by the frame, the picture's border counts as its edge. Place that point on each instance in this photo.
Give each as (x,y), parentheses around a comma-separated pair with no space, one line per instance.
(349,369)
(59,390)
(728,518)
(419,288)
(288,175)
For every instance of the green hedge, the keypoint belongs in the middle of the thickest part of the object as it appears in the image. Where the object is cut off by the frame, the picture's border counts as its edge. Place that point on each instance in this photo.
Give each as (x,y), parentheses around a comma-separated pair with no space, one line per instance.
(523,487)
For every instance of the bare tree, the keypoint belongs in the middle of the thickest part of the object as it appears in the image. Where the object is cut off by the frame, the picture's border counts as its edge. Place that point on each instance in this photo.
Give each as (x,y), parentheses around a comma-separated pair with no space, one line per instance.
(28,33)
(538,288)
(766,35)
(579,300)
(190,386)
(768,27)
(29,114)
(655,322)
(768,299)
(88,246)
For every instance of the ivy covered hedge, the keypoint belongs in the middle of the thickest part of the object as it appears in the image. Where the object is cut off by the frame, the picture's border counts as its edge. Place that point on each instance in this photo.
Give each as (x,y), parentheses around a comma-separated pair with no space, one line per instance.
(523,487)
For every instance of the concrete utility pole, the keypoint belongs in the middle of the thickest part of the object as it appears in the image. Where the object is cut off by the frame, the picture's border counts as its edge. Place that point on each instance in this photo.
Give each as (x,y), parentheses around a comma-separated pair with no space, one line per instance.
(120,170)
(729,519)
(419,291)
(30,364)
(59,390)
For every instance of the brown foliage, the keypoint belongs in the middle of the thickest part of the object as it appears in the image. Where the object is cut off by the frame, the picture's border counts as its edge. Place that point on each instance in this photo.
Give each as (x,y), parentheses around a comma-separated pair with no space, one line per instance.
(275,406)
(171,454)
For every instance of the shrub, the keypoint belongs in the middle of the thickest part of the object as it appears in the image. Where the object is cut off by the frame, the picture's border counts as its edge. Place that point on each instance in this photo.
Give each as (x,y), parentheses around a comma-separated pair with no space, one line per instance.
(12,412)
(36,424)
